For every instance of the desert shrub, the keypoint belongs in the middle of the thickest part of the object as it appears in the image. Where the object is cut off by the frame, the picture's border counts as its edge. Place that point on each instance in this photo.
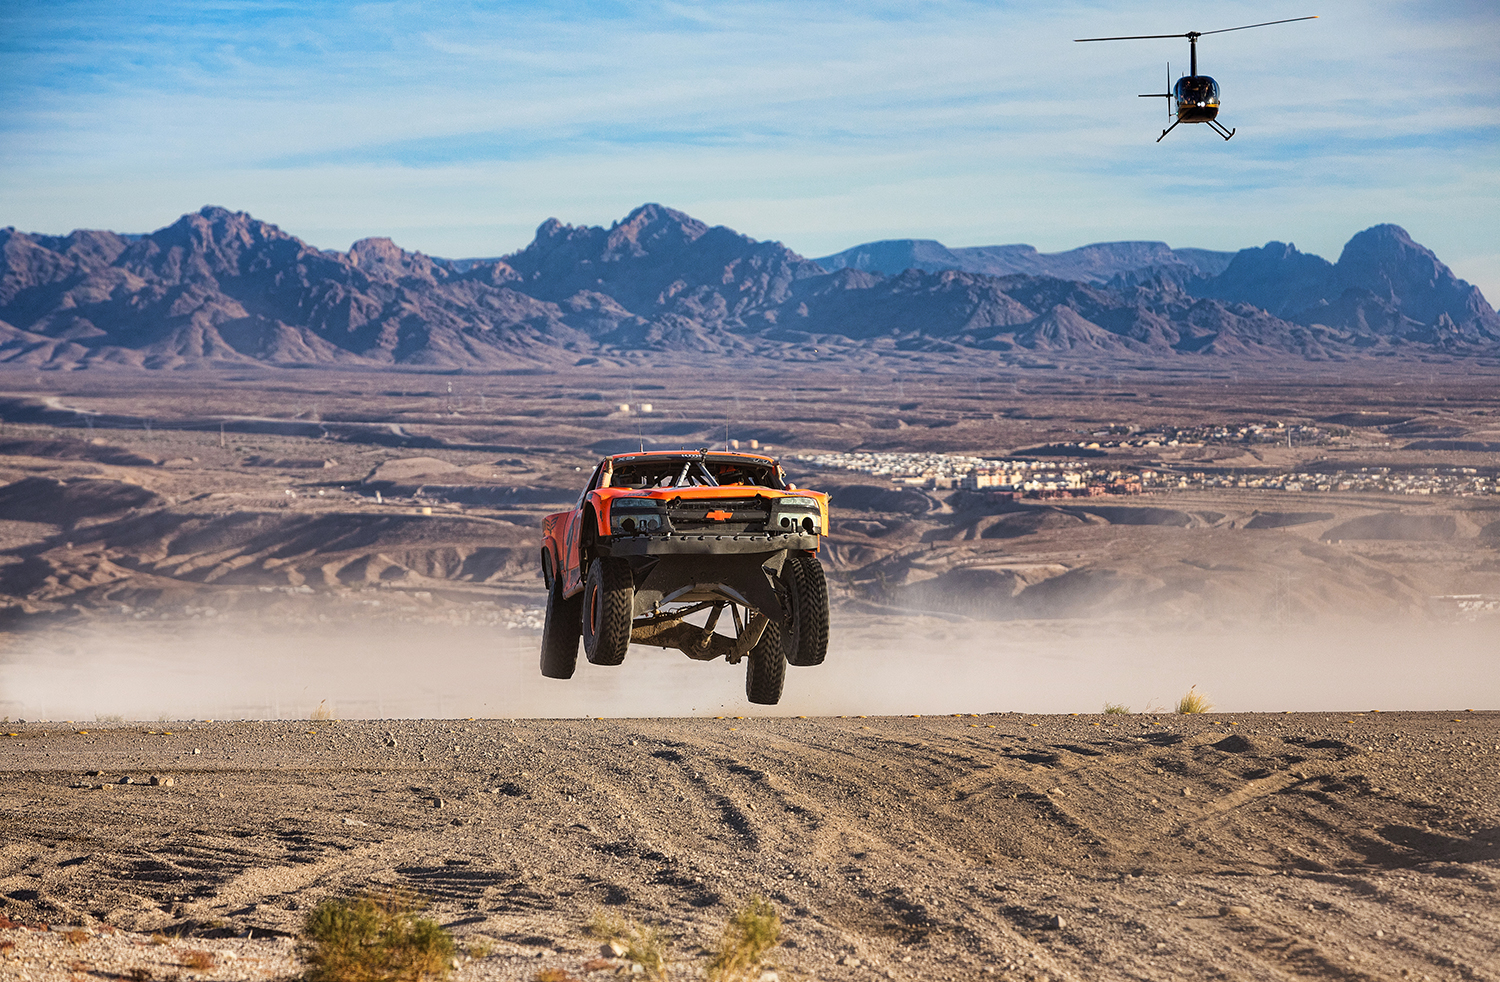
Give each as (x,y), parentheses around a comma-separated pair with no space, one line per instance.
(198,959)
(748,937)
(1194,702)
(1116,709)
(373,939)
(322,712)
(644,945)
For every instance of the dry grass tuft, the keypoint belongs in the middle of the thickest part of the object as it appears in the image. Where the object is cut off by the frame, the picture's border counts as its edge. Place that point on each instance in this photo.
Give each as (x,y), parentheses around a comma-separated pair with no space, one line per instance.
(77,935)
(748,938)
(198,959)
(555,975)
(322,712)
(1116,709)
(644,945)
(1194,702)
(373,938)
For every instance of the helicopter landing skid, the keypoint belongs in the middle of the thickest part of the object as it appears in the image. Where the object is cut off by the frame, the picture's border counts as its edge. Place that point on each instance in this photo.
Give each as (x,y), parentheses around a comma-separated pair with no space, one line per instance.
(1218,128)
(1214,125)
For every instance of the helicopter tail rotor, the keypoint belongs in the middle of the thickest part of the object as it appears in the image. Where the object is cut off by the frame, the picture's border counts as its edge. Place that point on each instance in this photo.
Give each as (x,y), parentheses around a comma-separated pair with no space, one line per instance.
(1167,95)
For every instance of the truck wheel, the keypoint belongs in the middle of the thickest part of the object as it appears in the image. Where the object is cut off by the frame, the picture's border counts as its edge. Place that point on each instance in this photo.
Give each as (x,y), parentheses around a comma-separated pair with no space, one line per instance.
(560,632)
(806,632)
(608,603)
(766,672)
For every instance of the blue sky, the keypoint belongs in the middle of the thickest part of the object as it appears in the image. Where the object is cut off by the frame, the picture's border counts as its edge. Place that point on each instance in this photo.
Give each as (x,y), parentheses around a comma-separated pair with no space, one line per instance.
(457,127)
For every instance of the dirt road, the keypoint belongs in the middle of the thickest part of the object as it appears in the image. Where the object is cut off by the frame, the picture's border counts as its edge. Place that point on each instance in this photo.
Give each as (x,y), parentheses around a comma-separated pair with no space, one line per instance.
(1344,846)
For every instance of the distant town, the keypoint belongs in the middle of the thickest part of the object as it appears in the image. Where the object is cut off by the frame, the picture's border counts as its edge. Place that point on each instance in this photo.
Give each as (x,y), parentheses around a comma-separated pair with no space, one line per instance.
(1036,478)
(1172,436)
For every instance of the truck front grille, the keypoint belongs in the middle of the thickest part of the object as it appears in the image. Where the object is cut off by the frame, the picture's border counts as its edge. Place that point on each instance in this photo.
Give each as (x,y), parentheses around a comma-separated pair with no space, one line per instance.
(722,515)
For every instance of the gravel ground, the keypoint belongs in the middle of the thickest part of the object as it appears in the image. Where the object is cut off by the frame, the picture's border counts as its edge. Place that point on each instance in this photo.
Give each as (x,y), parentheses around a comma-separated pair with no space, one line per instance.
(1292,846)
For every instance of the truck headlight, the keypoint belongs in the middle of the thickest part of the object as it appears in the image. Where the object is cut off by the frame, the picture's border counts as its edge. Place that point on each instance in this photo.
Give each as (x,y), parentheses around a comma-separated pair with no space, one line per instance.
(797,514)
(631,517)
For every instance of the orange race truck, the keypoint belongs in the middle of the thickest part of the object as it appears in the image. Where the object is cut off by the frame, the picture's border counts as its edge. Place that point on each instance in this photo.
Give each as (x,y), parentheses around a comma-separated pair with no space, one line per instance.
(659,536)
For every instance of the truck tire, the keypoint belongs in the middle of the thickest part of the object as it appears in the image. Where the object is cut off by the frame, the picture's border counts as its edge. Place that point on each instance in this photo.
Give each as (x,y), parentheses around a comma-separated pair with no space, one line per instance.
(765,673)
(560,632)
(806,632)
(608,604)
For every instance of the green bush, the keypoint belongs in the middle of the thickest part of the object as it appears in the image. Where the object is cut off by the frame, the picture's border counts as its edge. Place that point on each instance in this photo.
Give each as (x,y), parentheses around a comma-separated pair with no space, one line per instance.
(373,939)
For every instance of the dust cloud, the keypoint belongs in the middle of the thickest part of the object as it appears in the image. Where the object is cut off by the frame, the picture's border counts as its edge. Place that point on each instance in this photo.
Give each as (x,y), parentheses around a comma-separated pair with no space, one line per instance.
(892,666)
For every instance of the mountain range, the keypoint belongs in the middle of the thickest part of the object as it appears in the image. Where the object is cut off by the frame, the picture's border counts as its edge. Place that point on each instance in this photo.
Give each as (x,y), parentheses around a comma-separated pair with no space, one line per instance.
(1097,263)
(220,288)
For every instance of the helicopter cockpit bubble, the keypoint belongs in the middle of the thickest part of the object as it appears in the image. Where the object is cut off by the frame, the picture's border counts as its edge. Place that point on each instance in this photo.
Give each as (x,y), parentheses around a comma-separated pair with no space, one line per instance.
(1197,98)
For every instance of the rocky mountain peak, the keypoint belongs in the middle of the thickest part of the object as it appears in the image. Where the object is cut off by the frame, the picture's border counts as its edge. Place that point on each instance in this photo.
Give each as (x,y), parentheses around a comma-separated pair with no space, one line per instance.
(1383,256)
(655,258)
(381,258)
(652,228)
(376,250)
(209,243)
(1276,277)
(1385,261)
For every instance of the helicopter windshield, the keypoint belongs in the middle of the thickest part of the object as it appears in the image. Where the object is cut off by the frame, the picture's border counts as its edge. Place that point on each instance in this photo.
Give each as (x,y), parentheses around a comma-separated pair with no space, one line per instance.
(1196,90)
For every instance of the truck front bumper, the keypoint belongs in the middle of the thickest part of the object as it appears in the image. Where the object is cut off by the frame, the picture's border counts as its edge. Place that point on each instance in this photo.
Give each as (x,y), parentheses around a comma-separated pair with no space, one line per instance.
(706,544)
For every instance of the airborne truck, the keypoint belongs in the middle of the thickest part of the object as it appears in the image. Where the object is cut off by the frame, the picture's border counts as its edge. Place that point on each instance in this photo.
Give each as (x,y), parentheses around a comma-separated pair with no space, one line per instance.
(659,536)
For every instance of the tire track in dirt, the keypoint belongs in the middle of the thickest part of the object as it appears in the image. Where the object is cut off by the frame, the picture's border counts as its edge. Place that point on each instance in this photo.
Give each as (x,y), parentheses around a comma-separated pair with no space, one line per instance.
(926,848)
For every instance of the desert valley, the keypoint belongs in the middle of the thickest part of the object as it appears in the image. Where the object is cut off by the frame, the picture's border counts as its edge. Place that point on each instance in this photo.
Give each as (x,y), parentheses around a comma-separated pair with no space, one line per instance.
(269,531)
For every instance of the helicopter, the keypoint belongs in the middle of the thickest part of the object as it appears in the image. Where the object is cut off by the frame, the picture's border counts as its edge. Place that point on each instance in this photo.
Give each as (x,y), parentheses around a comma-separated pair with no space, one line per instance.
(1197,95)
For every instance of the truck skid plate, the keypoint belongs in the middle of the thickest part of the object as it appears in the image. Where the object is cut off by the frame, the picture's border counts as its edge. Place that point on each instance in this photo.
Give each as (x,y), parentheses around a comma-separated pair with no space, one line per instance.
(747,580)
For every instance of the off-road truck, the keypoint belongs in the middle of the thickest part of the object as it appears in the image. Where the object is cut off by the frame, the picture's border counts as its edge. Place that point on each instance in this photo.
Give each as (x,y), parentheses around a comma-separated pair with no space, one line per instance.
(659,536)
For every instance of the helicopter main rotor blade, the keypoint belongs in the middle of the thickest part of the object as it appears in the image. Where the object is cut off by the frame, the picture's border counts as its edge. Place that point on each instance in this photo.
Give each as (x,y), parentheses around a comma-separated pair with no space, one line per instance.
(1138,37)
(1193,34)
(1266,24)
